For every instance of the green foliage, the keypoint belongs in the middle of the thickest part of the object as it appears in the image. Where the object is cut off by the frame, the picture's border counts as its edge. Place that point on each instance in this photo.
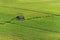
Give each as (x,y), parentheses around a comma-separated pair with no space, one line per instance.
(35,28)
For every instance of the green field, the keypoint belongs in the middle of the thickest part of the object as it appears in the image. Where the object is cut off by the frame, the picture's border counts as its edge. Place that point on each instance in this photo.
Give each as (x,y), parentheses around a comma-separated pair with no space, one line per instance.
(42,20)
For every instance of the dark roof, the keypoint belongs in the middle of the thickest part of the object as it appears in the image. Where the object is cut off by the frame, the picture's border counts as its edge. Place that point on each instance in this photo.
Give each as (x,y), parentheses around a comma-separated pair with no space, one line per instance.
(20,17)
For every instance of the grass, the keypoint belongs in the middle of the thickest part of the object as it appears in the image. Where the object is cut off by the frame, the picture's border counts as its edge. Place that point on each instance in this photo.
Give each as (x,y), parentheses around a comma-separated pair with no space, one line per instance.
(44,28)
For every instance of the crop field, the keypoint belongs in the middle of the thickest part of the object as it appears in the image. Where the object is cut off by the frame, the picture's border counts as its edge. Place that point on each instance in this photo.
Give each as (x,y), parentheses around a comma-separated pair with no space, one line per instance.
(42,20)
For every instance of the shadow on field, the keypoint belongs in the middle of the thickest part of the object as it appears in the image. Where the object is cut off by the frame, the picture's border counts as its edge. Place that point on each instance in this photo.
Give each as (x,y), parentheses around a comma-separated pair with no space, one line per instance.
(52,15)
(43,29)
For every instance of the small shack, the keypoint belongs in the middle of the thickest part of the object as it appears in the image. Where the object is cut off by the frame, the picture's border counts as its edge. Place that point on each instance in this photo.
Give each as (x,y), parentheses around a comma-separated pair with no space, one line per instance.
(21,17)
